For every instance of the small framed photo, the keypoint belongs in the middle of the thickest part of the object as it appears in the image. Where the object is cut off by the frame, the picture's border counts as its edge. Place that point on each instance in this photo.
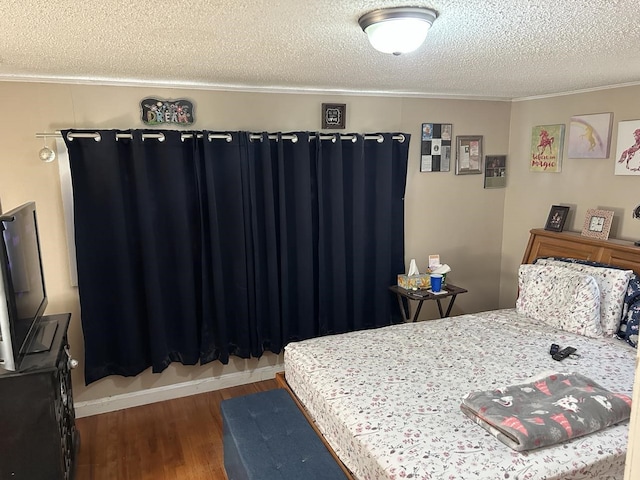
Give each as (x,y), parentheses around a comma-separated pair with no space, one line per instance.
(597,224)
(557,217)
(334,115)
(495,171)
(468,154)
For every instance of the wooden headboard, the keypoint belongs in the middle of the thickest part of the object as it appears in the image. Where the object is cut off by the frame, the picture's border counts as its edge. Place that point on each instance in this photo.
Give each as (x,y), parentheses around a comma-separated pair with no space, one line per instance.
(544,243)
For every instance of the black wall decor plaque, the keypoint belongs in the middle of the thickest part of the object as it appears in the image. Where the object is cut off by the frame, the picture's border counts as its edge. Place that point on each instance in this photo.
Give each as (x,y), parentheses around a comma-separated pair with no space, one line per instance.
(157,111)
(334,115)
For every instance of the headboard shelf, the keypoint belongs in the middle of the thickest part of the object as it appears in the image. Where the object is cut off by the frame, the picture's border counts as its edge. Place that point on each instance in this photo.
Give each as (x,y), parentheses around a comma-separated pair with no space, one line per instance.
(545,243)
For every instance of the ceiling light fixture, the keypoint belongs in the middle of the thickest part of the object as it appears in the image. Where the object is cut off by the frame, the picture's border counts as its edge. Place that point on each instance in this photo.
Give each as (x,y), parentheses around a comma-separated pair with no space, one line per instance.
(397,30)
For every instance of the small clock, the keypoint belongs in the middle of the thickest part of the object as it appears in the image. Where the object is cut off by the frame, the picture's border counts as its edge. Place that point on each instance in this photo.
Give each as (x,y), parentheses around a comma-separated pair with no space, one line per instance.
(597,223)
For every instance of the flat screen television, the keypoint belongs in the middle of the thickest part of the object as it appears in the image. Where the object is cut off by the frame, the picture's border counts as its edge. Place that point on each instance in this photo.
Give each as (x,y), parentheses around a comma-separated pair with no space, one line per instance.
(23,297)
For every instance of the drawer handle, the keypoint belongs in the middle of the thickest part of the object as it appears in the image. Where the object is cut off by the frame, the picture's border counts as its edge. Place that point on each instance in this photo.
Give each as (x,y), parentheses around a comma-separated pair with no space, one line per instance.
(72,362)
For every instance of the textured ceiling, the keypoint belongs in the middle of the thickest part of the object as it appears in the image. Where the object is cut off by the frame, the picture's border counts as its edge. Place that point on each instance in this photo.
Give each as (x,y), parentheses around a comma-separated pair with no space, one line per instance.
(491,49)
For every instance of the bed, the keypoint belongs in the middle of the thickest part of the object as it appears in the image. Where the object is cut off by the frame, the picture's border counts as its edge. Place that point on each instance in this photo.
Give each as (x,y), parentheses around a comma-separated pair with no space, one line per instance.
(388,401)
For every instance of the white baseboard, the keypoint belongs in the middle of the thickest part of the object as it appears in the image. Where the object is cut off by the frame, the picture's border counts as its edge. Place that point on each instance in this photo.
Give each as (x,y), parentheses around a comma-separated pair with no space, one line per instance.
(169,392)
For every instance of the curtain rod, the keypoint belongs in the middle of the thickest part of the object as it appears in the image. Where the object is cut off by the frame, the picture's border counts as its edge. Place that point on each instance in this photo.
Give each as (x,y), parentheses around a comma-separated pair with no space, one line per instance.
(225,136)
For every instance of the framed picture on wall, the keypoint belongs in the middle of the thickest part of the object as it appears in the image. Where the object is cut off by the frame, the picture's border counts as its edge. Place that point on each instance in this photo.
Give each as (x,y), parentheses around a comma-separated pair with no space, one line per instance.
(590,135)
(495,171)
(628,149)
(557,217)
(468,154)
(435,147)
(547,142)
(334,115)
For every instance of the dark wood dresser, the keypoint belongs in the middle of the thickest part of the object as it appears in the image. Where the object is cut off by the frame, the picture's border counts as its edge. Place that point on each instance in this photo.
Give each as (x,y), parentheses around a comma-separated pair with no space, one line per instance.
(38,436)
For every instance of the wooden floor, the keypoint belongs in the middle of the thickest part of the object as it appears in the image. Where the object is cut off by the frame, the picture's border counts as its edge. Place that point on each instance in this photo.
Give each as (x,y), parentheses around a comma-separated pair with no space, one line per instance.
(173,440)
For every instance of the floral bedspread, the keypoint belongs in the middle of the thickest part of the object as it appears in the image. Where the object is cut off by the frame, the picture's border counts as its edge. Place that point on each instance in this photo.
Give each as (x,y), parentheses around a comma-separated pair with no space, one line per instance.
(388,400)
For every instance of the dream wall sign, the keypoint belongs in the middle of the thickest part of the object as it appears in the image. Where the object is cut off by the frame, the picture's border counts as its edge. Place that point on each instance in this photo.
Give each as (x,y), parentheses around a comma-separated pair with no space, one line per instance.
(156,111)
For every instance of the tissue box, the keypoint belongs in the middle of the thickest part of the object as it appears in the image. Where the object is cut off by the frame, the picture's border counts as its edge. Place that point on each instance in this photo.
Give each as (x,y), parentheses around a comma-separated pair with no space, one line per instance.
(414,281)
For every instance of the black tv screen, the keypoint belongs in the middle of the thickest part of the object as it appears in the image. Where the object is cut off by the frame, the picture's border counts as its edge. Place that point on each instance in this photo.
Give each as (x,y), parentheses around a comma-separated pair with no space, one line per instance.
(24,279)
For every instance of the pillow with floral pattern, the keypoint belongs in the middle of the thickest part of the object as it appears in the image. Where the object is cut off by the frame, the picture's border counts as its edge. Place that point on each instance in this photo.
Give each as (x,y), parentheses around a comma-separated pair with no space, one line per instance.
(561,298)
(612,283)
(632,295)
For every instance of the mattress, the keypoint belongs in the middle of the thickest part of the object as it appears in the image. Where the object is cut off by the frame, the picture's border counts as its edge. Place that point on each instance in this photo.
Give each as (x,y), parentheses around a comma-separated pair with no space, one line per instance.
(388,400)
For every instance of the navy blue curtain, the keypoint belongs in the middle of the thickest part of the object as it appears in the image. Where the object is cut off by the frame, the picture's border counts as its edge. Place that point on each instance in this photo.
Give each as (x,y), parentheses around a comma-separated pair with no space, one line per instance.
(197,245)
(361,231)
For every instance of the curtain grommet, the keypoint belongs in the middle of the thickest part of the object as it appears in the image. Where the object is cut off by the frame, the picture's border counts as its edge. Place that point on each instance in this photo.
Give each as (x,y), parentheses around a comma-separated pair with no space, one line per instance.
(96,136)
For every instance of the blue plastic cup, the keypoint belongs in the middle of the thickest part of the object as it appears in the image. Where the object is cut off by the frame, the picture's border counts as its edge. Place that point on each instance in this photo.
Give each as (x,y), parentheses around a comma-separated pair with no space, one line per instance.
(436,282)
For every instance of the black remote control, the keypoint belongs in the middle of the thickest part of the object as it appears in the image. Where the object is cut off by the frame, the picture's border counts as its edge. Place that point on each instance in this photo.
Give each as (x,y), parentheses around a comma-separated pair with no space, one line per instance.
(564,353)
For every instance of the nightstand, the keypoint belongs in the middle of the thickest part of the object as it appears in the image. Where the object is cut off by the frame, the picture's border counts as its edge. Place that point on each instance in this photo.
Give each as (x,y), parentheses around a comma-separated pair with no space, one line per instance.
(450,292)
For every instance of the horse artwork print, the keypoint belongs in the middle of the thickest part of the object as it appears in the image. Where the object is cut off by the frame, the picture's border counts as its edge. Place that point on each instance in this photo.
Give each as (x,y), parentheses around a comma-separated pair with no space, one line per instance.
(590,135)
(546,148)
(628,154)
(545,141)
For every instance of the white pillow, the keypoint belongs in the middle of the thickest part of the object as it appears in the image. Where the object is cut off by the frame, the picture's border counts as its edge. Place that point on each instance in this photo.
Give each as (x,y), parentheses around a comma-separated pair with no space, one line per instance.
(612,283)
(561,298)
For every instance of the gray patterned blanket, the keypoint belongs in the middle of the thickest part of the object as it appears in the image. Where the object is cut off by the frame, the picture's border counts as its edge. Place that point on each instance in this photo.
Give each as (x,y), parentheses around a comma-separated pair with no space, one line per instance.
(548,411)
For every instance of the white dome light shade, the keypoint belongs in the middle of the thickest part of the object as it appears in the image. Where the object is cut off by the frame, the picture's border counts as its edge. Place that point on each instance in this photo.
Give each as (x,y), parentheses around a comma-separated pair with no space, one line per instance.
(397,30)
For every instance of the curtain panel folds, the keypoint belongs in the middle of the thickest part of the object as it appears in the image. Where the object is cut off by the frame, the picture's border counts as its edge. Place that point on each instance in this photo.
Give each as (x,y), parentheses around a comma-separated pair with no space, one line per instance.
(192,248)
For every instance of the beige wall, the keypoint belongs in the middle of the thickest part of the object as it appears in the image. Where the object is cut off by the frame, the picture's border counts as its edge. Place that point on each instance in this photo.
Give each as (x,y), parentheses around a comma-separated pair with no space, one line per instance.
(582,184)
(454,215)
(446,214)
(480,233)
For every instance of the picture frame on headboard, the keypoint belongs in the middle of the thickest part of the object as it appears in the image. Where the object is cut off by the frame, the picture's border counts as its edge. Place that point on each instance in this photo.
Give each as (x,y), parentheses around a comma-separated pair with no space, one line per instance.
(557,217)
(597,223)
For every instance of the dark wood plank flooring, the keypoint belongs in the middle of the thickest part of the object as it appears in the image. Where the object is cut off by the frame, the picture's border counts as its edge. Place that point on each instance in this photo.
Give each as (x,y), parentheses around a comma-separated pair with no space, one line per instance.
(172,440)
